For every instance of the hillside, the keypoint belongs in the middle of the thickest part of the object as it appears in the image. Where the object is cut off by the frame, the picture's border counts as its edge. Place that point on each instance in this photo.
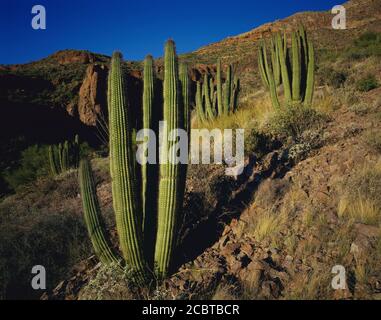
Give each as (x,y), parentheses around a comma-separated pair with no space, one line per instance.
(308,199)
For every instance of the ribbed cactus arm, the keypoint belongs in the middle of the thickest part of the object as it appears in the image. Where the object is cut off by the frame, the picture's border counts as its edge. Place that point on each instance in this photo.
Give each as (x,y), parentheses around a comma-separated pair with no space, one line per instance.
(52,161)
(310,74)
(282,49)
(269,75)
(199,105)
(261,67)
(296,66)
(208,102)
(169,201)
(227,90)
(184,80)
(92,215)
(220,106)
(275,62)
(148,99)
(127,206)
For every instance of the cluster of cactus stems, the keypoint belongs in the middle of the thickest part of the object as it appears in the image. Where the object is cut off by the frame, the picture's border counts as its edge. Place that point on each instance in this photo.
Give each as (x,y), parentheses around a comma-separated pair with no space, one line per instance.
(293,67)
(147,199)
(64,156)
(213,101)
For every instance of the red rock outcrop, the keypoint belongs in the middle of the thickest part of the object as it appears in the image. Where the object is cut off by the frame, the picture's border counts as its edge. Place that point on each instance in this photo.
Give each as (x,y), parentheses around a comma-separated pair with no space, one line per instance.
(92,94)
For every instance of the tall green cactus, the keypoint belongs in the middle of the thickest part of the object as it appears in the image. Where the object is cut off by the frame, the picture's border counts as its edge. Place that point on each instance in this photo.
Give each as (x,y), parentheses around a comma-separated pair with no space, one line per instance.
(219,88)
(206,98)
(127,201)
(310,74)
(282,50)
(219,100)
(201,115)
(227,94)
(169,202)
(296,67)
(148,100)
(184,79)
(297,74)
(267,74)
(62,157)
(93,218)
(148,171)
(128,210)
(54,167)
(65,156)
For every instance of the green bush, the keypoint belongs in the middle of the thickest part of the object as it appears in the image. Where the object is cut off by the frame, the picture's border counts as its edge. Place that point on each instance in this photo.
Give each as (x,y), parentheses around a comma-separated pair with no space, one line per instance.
(368,44)
(367,83)
(33,164)
(294,120)
(256,142)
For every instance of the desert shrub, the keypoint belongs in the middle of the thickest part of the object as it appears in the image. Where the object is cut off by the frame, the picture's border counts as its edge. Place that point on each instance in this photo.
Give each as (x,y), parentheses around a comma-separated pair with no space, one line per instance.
(256,142)
(331,77)
(109,283)
(367,83)
(33,164)
(293,121)
(368,44)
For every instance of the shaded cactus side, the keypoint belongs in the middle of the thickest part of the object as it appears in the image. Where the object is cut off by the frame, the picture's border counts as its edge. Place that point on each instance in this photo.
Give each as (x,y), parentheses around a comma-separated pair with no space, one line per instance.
(93,218)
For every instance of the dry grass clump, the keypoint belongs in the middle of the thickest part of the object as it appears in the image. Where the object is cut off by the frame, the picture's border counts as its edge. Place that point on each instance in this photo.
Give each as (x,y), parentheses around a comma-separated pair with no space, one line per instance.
(361,201)
(373,139)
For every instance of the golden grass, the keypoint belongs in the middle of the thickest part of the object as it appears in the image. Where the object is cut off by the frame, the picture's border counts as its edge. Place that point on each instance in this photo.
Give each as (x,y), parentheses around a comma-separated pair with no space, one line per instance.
(326,104)
(251,114)
(265,225)
(359,210)
(361,198)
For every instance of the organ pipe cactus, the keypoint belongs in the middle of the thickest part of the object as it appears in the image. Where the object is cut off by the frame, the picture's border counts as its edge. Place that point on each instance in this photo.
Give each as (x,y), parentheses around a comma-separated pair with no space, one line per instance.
(62,157)
(297,69)
(136,221)
(222,101)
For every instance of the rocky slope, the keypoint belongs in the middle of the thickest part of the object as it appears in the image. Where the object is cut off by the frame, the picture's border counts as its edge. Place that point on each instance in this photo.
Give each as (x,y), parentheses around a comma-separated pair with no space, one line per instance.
(248,256)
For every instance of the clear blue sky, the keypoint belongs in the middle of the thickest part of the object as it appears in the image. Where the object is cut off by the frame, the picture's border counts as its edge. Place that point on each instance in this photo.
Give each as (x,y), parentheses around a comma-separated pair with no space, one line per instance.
(134,27)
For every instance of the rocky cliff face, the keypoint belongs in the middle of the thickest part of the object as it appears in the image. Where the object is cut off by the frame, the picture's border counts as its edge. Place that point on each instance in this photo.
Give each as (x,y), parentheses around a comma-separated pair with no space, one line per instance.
(92,101)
